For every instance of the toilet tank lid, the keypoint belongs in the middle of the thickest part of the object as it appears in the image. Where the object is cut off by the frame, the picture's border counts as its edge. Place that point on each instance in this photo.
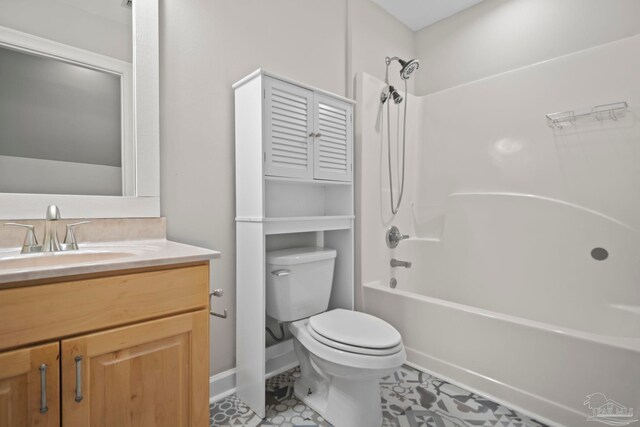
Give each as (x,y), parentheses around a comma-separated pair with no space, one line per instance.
(293,256)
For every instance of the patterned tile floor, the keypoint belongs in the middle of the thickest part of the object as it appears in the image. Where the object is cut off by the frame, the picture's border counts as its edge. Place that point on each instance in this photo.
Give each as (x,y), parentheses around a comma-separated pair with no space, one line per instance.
(410,398)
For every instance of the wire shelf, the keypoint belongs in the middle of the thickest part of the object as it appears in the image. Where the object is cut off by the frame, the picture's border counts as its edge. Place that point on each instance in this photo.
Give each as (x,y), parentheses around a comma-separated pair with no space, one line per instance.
(614,111)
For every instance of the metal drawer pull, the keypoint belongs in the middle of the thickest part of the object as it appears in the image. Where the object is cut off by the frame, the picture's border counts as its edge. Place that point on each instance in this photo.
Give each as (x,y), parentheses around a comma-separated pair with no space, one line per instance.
(78,360)
(216,293)
(43,389)
(280,273)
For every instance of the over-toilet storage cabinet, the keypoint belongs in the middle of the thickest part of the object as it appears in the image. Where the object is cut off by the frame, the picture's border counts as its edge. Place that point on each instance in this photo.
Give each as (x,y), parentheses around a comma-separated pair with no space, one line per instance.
(294,187)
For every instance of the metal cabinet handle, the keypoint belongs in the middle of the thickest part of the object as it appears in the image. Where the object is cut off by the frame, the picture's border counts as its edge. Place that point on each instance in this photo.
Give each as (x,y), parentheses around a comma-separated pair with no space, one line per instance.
(78,360)
(318,135)
(280,273)
(216,293)
(43,389)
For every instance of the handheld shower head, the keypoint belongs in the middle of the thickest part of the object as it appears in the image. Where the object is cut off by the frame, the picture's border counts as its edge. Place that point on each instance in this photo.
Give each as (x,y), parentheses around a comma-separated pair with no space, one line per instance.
(408,67)
(391,92)
(397,98)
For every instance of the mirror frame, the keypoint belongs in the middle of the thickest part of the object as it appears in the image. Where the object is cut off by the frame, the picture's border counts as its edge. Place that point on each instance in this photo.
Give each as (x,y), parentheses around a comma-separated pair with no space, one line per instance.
(144,200)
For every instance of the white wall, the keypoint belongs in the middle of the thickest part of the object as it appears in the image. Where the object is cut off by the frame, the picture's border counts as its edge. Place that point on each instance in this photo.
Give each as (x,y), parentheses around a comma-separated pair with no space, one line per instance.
(500,35)
(206,46)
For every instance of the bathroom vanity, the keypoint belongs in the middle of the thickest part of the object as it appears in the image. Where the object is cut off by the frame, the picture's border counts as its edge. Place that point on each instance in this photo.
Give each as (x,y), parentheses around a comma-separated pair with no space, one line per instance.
(111,335)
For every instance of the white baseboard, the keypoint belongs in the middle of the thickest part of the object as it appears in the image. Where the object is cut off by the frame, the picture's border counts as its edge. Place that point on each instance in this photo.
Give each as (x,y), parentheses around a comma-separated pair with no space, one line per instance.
(280,358)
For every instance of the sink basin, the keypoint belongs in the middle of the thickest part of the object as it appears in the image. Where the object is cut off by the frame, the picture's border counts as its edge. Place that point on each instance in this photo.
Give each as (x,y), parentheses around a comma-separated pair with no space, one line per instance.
(59,259)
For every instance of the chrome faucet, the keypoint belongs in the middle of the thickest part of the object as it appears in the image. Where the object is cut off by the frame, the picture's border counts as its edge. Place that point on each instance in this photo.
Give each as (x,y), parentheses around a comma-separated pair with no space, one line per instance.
(394,236)
(398,263)
(51,243)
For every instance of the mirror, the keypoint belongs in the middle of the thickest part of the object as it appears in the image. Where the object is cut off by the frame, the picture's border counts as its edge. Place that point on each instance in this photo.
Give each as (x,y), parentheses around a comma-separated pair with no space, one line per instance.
(77,53)
(66,97)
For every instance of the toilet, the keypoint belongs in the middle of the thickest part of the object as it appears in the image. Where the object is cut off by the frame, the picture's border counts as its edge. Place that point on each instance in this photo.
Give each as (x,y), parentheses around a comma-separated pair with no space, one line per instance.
(343,354)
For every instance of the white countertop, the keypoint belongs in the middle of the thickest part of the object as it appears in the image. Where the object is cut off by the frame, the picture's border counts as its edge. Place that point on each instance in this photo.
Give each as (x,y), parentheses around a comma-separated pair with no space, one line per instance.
(96,258)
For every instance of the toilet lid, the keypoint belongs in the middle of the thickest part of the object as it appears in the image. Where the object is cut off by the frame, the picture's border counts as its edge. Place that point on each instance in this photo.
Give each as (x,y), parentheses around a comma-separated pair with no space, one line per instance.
(356,329)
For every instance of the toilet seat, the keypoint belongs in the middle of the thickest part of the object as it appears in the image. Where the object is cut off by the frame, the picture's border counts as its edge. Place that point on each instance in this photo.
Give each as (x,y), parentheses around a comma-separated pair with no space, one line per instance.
(353,349)
(302,333)
(355,332)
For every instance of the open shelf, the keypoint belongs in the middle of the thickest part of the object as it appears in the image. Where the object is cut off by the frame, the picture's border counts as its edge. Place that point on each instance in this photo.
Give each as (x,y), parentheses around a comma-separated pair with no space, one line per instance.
(306,199)
(307,223)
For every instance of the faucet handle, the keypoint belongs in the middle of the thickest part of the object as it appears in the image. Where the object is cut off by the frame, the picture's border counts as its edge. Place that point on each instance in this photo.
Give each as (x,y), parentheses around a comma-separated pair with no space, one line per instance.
(30,243)
(394,236)
(70,242)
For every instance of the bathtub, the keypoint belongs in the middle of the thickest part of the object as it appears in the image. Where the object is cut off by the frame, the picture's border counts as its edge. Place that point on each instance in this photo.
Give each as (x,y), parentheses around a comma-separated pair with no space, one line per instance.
(521,314)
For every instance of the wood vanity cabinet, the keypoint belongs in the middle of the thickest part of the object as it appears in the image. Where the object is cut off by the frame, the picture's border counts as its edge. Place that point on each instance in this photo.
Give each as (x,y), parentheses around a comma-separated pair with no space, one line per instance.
(126,350)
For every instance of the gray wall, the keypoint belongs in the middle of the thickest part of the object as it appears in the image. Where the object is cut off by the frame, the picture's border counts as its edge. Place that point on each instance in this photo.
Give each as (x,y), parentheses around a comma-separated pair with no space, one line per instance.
(99,26)
(206,45)
(500,35)
(54,110)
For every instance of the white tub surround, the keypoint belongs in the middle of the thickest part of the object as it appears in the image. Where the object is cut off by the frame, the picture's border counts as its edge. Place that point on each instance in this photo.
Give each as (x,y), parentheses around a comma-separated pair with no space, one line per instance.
(524,236)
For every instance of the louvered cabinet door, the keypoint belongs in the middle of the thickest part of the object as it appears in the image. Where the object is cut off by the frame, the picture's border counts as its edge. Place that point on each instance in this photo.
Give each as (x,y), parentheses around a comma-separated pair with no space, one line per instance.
(333,142)
(288,125)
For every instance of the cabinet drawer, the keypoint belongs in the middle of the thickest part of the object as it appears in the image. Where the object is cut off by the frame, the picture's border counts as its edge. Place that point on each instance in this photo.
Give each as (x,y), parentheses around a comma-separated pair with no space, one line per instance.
(38,313)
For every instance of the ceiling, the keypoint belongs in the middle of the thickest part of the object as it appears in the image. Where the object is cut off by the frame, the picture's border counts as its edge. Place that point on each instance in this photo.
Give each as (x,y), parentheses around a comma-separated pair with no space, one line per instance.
(417,14)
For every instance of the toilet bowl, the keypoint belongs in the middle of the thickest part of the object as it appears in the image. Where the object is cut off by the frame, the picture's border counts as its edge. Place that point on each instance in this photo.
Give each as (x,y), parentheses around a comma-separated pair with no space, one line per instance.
(340,376)
(343,354)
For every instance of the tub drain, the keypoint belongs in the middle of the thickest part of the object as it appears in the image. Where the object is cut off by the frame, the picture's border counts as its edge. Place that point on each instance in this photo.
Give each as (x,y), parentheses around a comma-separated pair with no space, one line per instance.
(393,283)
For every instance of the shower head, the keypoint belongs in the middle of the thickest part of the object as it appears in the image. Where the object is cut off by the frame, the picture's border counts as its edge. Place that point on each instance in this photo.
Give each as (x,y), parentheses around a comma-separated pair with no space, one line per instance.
(397,98)
(408,67)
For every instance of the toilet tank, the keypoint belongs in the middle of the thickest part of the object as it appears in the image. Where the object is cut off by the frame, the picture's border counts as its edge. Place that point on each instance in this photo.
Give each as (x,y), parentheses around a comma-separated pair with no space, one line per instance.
(299,282)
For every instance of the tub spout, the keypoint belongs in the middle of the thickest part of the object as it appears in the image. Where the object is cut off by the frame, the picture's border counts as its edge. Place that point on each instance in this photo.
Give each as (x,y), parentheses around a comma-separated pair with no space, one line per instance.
(398,263)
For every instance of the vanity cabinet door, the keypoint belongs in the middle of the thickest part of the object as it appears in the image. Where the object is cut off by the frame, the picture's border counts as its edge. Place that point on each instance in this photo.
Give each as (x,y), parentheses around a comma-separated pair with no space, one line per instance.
(149,374)
(30,387)
(288,131)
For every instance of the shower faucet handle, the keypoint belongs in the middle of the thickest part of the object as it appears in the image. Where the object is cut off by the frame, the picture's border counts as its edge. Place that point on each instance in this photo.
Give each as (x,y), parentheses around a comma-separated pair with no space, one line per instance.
(394,236)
